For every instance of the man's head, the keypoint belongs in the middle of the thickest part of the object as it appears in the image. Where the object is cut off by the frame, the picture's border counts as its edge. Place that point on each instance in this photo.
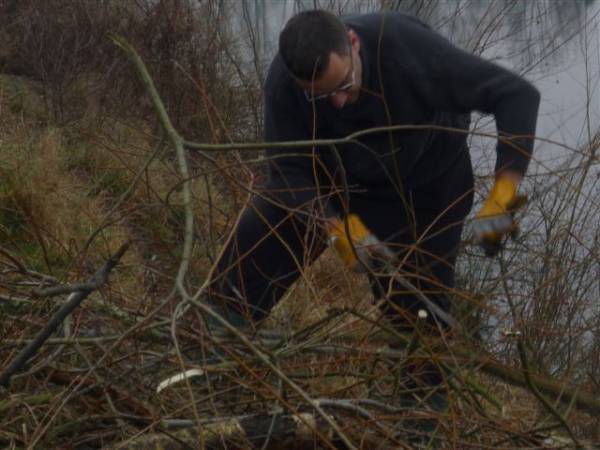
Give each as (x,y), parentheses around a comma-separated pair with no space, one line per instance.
(322,54)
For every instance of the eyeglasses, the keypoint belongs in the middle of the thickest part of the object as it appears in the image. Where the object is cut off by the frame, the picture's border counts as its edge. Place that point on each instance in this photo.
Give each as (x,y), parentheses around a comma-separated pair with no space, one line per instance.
(343,88)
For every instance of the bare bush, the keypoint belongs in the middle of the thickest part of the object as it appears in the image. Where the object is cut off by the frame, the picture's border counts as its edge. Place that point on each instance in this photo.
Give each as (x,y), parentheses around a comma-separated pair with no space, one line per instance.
(62,45)
(329,371)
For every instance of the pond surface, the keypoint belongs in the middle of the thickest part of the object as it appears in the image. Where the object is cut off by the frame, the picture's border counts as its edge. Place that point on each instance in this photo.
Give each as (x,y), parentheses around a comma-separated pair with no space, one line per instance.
(553,43)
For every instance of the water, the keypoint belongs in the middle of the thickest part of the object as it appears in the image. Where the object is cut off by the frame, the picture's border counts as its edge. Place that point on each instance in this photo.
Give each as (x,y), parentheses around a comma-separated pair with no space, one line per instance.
(553,43)
(556,45)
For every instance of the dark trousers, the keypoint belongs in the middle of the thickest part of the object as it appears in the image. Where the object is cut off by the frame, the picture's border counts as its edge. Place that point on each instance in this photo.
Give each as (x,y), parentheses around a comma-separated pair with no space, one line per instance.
(271,246)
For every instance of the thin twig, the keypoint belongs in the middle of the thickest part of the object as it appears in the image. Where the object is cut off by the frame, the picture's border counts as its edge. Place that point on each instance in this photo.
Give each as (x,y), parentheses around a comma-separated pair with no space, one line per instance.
(265,360)
(527,372)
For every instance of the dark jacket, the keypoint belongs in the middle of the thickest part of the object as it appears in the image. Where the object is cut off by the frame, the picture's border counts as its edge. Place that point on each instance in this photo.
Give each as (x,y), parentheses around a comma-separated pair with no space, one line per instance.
(423,80)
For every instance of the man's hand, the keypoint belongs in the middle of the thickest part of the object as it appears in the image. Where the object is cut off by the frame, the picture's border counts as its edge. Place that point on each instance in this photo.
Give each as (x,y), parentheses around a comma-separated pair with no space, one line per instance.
(339,240)
(365,243)
(496,218)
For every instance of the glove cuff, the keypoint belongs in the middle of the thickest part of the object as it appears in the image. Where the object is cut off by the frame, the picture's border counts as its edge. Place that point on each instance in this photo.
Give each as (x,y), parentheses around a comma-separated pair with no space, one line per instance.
(357,229)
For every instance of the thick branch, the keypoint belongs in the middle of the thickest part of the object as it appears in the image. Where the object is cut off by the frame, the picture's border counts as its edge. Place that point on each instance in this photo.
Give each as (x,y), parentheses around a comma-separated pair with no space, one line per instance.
(271,431)
(178,143)
(74,301)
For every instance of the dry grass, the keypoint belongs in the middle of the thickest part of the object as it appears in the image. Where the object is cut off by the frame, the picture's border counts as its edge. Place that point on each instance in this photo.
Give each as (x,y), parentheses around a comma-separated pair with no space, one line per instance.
(73,190)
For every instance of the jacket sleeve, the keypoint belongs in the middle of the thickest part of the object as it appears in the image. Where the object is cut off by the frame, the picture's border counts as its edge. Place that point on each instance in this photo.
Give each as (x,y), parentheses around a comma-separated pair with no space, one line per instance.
(452,80)
(293,173)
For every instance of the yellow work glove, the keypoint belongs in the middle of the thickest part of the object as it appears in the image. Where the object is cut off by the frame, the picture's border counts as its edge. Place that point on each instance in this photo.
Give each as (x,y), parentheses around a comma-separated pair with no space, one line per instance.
(496,218)
(365,243)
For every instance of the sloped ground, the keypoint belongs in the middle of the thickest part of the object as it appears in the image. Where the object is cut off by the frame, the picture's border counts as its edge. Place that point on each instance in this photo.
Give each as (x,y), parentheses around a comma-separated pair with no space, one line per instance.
(71,195)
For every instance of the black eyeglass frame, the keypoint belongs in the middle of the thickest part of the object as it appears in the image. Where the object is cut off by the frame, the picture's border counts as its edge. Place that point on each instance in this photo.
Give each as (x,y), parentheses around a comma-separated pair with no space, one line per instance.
(343,88)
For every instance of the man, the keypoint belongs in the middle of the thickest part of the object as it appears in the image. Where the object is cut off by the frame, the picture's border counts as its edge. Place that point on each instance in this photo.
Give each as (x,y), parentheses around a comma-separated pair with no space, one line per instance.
(410,188)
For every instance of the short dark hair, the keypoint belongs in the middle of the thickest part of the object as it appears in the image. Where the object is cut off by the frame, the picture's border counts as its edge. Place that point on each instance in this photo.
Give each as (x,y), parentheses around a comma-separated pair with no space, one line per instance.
(307,40)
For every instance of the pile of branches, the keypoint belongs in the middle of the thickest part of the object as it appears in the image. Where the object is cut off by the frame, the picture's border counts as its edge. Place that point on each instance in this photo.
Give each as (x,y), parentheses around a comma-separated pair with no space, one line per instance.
(166,383)
(121,378)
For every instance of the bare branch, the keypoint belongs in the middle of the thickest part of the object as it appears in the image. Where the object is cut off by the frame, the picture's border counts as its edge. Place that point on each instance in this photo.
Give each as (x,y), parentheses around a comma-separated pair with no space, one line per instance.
(98,279)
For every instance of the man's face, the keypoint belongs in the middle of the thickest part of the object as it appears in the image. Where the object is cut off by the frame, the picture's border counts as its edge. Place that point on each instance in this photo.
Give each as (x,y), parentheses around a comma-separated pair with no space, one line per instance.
(340,83)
